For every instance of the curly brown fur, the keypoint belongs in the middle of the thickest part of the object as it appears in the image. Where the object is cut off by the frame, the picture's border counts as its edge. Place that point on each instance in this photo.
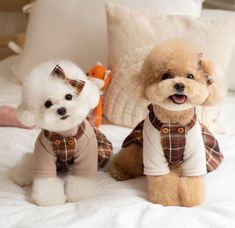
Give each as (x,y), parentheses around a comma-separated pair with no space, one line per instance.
(191,191)
(164,189)
(169,63)
(128,163)
(166,116)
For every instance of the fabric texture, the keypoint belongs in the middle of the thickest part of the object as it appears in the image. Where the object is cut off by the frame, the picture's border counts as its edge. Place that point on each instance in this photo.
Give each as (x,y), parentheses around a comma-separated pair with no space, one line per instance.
(171,141)
(230,72)
(80,154)
(104,148)
(131,36)
(77,30)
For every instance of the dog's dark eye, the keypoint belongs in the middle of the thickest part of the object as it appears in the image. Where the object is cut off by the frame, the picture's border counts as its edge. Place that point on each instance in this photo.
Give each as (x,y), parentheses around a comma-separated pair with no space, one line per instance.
(48,104)
(166,76)
(68,97)
(190,76)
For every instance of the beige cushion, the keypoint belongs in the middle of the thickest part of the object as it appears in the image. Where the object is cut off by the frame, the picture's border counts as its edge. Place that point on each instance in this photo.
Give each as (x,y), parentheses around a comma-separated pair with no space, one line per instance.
(230,72)
(127,51)
(76,29)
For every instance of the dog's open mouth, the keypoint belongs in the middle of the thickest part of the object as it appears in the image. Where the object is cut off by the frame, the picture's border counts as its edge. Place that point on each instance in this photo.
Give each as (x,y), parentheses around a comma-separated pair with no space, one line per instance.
(64,117)
(178,99)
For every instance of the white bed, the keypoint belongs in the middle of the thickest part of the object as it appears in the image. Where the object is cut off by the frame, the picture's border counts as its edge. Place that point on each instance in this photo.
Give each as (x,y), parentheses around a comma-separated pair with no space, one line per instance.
(114,204)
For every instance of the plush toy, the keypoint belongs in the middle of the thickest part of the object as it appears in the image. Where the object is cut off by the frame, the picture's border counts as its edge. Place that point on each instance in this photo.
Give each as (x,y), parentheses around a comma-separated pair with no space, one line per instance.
(170,146)
(101,77)
(57,96)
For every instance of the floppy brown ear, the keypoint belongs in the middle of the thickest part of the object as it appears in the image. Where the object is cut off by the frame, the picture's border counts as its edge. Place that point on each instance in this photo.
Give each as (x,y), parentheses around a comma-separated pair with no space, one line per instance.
(216,86)
(136,86)
(206,66)
(217,92)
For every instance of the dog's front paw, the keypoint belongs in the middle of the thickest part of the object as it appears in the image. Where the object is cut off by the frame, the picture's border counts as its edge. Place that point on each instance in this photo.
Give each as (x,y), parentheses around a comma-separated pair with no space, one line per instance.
(21,174)
(78,188)
(48,191)
(191,191)
(163,189)
(119,174)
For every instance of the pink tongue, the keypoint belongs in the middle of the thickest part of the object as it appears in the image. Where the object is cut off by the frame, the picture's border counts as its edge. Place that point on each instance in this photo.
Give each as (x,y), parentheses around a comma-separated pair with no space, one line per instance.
(179,99)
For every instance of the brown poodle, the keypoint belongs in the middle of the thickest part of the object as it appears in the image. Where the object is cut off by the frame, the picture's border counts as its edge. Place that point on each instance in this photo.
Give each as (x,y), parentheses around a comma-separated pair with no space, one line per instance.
(170,146)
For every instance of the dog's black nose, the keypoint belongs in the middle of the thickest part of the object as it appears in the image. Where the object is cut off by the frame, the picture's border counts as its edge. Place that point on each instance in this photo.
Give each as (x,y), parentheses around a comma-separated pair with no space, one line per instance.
(179,87)
(61,111)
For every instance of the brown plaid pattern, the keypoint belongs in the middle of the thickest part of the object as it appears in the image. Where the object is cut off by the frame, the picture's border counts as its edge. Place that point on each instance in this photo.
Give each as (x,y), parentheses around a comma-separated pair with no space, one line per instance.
(172,137)
(65,148)
(173,141)
(59,73)
(213,155)
(104,148)
(136,136)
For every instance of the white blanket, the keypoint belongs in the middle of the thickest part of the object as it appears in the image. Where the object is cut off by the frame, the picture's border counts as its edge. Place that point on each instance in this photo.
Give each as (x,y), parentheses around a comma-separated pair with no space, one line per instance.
(113,204)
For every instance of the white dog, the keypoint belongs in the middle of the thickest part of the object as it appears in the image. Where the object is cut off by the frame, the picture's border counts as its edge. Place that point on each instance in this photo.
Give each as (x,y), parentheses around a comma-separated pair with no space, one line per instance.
(57,97)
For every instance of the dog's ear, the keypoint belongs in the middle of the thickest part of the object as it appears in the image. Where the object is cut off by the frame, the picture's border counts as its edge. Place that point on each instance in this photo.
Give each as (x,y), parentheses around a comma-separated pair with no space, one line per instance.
(25,116)
(94,94)
(217,91)
(206,66)
(135,86)
(216,86)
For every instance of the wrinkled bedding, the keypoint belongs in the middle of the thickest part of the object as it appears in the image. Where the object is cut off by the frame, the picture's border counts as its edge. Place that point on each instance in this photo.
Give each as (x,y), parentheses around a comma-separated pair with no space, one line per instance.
(113,204)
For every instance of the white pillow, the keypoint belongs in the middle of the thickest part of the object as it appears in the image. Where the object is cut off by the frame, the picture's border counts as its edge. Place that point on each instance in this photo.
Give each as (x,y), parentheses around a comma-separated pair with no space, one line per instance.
(130,33)
(230,72)
(76,29)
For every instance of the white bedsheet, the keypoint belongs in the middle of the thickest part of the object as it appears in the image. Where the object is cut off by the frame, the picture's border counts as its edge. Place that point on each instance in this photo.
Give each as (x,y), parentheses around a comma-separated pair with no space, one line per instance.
(114,204)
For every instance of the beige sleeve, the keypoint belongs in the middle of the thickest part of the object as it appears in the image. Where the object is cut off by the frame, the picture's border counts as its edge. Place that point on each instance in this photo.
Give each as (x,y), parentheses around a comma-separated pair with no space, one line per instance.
(155,163)
(85,164)
(44,163)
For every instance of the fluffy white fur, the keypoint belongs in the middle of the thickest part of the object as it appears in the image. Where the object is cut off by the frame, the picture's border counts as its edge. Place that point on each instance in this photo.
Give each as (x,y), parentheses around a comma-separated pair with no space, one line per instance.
(48,191)
(38,88)
(22,172)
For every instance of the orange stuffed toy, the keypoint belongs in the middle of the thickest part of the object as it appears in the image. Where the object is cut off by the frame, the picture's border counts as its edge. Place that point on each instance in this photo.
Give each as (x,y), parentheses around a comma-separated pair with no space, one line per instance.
(101,77)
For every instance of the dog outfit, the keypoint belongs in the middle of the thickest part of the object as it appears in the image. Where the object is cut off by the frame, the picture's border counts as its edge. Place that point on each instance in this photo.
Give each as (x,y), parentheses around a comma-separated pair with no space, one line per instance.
(81,154)
(167,144)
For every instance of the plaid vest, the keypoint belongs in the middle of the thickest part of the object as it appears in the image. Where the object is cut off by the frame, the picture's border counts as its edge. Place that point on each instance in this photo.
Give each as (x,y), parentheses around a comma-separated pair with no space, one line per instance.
(65,147)
(173,139)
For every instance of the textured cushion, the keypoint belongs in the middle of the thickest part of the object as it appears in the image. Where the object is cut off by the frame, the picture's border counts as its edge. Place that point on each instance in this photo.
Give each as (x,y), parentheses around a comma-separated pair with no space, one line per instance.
(76,29)
(230,72)
(121,108)
(127,51)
